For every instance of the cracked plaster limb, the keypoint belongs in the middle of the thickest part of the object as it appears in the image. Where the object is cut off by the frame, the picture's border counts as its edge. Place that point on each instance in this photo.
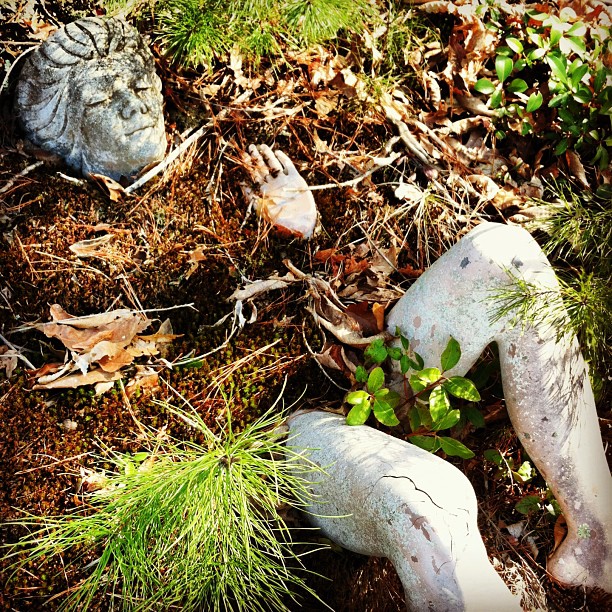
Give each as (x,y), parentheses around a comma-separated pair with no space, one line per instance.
(545,380)
(384,497)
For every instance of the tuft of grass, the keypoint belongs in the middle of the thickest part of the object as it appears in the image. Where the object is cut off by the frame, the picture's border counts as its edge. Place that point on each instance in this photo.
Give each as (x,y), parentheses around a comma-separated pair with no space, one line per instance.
(192,523)
(315,21)
(578,226)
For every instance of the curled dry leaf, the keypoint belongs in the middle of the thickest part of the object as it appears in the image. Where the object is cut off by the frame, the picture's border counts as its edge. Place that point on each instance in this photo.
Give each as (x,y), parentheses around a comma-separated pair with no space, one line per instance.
(560,531)
(8,360)
(73,381)
(145,378)
(258,287)
(486,187)
(83,333)
(110,187)
(101,346)
(92,247)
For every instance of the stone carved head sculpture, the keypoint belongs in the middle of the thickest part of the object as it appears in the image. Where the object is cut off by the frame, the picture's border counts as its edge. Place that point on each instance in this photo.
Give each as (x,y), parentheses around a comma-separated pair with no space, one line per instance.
(90,94)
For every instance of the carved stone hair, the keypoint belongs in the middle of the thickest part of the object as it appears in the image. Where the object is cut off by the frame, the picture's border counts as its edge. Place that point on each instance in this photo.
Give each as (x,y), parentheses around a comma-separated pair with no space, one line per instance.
(47,93)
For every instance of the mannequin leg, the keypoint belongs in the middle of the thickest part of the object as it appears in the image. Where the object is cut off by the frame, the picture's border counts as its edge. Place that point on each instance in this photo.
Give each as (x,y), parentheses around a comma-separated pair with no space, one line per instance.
(545,379)
(384,497)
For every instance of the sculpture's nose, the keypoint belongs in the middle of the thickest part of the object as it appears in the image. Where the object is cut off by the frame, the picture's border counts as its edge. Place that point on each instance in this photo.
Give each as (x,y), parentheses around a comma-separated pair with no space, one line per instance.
(132,105)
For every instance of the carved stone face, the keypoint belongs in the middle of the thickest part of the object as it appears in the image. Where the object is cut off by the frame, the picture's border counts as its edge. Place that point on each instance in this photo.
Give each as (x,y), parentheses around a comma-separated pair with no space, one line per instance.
(91,95)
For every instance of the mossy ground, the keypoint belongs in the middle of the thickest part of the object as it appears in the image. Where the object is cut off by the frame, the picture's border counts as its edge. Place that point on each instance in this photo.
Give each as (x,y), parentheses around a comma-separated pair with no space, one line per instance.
(198,207)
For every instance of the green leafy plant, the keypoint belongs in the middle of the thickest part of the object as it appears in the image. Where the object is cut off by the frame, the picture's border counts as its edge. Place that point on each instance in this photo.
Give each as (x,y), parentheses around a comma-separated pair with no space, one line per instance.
(375,398)
(506,468)
(184,524)
(554,62)
(523,477)
(543,502)
(429,394)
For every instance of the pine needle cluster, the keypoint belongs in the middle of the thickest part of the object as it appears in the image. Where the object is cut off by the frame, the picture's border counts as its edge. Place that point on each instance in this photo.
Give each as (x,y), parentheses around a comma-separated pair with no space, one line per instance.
(578,229)
(195,526)
(196,32)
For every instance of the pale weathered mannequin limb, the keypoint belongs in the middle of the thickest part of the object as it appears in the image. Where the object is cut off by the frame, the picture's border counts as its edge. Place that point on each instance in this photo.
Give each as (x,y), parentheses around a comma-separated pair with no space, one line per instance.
(384,497)
(550,402)
(284,198)
(545,380)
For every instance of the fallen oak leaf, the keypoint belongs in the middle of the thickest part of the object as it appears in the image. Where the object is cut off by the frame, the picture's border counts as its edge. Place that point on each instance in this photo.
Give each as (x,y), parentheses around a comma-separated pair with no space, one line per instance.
(78,380)
(83,333)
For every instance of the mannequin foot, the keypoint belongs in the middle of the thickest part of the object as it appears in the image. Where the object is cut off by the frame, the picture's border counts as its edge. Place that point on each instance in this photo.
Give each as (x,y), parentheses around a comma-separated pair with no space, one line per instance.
(582,562)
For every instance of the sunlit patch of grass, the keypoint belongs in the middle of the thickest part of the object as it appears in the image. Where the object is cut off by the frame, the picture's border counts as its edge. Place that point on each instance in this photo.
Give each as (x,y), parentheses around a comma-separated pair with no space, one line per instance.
(578,225)
(192,523)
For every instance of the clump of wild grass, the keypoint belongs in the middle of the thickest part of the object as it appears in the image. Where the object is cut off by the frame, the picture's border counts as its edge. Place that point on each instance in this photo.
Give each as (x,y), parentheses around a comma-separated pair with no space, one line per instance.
(195,32)
(578,228)
(197,524)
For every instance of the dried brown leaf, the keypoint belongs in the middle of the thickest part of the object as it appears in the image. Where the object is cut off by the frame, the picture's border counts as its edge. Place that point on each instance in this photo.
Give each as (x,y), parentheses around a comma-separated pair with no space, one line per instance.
(83,333)
(486,187)
(576,168)
(560,531)
(109,187)
(258,287)
(145,378)
(8,360)
(91,247)
(368,321)
(78,380)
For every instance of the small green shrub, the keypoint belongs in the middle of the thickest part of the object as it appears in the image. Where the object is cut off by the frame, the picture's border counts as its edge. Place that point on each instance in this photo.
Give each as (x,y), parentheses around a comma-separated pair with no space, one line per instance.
(555,63)
(429,408)
(184,524)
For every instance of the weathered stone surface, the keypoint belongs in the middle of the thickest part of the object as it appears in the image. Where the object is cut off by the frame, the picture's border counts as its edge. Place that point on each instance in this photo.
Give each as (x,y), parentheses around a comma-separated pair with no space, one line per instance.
(545,380)
(385,497)
(90,94)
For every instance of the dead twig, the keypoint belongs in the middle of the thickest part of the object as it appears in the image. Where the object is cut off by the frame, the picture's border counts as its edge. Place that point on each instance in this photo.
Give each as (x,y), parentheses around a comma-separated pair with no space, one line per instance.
(19,175)
(180,150)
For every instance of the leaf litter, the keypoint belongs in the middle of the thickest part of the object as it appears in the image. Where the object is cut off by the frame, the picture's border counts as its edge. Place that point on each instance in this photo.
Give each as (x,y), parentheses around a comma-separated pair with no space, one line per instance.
(100,347)
(444,165)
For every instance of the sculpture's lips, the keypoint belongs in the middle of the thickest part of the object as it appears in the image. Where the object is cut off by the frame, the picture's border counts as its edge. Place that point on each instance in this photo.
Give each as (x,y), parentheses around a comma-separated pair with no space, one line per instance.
(149,126)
